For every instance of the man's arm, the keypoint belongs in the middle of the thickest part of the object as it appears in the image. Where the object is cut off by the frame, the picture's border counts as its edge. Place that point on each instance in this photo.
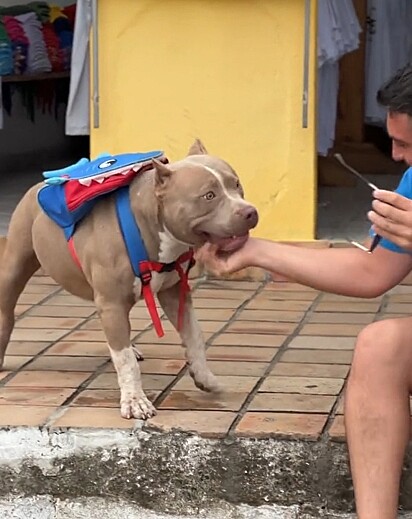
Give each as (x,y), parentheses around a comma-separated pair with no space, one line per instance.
(345,271)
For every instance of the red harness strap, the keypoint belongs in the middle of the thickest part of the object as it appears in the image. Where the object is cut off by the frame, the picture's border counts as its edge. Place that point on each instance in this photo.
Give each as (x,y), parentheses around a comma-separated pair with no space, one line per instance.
(146,269)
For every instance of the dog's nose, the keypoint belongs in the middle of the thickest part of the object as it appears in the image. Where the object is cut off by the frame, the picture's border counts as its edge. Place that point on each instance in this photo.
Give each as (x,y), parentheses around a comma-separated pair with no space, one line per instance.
(250,214)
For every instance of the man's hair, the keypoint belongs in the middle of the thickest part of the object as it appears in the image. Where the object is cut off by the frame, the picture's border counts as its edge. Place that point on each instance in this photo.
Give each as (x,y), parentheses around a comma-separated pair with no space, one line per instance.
(396,94)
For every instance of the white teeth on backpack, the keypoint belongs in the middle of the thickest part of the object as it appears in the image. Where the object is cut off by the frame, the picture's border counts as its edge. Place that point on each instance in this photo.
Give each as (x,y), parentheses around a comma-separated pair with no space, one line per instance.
(102,177)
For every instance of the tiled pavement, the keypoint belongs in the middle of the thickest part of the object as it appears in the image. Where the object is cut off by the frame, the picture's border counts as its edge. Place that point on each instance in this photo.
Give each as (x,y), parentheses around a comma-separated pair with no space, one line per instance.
(282,351)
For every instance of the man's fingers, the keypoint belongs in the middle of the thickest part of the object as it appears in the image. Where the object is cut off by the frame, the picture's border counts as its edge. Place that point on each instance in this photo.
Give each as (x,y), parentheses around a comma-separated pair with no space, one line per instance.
(393,199)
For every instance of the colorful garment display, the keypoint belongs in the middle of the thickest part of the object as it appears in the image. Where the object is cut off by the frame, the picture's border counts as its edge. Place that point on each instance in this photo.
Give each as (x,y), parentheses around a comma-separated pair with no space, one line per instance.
(36,38)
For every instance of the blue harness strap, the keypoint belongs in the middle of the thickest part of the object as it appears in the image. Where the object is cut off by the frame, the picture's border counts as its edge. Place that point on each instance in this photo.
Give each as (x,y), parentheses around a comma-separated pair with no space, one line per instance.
(130,231)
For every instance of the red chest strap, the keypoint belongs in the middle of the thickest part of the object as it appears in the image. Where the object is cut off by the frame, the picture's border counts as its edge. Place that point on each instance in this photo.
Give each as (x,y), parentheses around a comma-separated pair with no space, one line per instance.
(146,269)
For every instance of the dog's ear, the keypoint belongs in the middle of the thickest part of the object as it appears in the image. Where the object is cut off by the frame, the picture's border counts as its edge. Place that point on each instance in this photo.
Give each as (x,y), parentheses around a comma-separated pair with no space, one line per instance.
(197,148)
(162,175)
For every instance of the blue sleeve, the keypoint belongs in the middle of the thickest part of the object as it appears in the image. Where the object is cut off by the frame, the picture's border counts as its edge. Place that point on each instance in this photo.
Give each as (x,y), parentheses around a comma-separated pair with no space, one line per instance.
(405,189)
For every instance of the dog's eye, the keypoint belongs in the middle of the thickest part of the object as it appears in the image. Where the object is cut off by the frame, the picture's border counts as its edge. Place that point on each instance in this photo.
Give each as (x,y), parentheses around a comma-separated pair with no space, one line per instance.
(209,195)
(237,184)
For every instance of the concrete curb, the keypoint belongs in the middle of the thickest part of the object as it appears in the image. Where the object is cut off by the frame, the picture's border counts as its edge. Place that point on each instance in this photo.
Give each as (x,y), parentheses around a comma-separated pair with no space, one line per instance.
(175,473)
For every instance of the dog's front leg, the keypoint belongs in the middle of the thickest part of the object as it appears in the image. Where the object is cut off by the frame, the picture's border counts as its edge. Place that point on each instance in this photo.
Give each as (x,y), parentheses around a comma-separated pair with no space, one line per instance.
(114,316)
(192,337)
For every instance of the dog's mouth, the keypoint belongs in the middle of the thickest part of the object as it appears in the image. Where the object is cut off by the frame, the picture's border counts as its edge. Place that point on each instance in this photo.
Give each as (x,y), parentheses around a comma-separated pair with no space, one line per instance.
(226,244)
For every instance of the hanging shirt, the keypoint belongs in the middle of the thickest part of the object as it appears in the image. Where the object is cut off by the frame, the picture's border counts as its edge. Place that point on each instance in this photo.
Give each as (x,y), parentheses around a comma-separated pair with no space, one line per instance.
(388,48)
(78,107)
(338,34)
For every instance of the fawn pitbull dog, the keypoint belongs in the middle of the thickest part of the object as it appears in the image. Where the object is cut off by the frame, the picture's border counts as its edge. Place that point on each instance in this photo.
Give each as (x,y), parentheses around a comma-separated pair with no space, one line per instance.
(177,206)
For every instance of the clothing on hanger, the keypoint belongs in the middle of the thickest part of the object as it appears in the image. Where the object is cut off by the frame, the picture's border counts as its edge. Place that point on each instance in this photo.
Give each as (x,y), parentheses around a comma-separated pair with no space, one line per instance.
(338,34)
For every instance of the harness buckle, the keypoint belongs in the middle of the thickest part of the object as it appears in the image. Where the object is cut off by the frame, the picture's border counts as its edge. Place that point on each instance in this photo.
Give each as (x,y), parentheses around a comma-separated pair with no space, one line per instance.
(145,277)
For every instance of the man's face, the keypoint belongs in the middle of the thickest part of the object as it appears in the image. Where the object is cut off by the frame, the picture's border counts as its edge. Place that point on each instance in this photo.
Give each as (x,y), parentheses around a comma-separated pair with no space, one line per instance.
(400,131)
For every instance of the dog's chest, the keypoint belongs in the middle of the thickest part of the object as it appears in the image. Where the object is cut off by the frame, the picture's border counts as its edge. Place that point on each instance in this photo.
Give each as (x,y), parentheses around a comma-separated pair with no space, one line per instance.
(169,250)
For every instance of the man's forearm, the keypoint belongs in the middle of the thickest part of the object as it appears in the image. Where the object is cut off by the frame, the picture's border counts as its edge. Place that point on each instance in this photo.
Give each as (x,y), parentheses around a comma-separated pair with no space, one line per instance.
(343,271)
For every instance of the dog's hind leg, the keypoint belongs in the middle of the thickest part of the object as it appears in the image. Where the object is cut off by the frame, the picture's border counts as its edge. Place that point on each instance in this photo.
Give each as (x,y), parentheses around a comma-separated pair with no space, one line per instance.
(18,264)
(192,338)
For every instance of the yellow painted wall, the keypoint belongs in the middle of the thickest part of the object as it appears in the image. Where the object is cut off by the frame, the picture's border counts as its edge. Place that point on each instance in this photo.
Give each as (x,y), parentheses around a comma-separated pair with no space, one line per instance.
(229,72)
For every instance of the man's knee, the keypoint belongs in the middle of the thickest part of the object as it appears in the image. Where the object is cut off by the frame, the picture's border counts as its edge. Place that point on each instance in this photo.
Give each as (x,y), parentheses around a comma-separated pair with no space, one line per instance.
(379,345)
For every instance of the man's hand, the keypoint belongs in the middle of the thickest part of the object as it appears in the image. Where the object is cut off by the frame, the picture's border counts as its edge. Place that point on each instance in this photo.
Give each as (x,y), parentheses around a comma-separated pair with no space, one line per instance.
(222,263)
(392,218)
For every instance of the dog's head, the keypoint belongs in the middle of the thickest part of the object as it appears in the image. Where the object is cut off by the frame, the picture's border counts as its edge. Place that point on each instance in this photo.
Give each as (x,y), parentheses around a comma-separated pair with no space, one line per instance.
(202,200)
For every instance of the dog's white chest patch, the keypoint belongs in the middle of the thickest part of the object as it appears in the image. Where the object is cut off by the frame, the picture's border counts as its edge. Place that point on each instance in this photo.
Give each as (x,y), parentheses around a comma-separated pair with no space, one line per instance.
(170,248)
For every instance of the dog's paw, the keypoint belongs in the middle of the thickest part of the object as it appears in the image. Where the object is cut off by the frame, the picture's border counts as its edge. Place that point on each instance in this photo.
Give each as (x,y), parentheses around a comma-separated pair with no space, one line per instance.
(138,406)
(138,355)
(206,381)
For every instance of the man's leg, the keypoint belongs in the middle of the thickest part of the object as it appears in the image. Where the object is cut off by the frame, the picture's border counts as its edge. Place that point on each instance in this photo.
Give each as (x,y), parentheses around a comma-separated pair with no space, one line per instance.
(377,415)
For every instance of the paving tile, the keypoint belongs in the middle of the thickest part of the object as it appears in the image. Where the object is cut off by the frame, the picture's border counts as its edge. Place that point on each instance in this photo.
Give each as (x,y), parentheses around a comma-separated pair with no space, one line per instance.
(400,298)
(199,400)
(38,279)
(229,383)
(289,287)
(292,369)
(206,326)
(15,362)
(40,289)
(347,330)
(135,324)
(358,307)
(322,343)
(400,308)
(232,285)
(248,369)
(26,348)
(170,337)
(302,385)
(157,366)
(62,363)
(288,402)
(48,322)
(282,295)
(285,316)
(249,339)
(262,327)
(92,417)
(67,300)
(29,416)
(283,306)
(317,356)
(239,353)
(337,430)
(216,303)
(31,299)
(210,314)
(290,425)
(326,297)
(341,318)
(161,351)
(4,374)
(61,311)
(21,309)
(104,398)
(212,424)
(34,397)
(149,382)
(86,335)
(43,335)
(225,293)
(56,379)
(86,349)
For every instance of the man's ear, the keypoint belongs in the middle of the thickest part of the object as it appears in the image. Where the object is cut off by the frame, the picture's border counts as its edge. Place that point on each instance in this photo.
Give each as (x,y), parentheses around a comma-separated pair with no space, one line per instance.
(162,175)
(197,148)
